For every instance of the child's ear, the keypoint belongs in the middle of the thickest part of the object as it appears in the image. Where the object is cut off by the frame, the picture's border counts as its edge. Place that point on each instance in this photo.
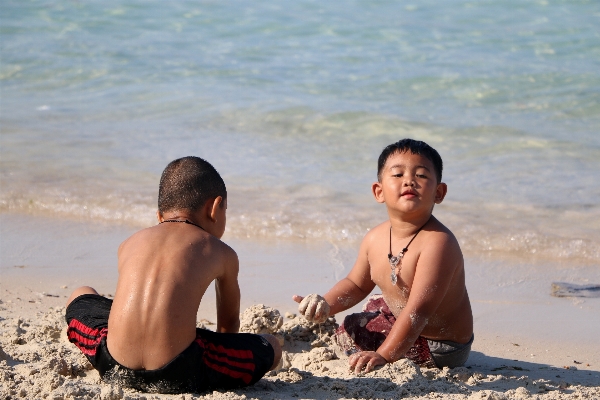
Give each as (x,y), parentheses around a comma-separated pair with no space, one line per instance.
(159,216)
(378,192)
(216,203)
(440,192)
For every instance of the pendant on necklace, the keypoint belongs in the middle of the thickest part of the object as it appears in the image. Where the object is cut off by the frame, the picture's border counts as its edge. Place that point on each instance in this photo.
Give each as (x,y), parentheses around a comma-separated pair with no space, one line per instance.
(394,262)
(397,260)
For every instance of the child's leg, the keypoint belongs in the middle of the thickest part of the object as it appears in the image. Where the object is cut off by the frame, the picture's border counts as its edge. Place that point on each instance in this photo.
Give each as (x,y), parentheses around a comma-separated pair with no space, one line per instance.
(276,349)
(233,360)
(367,330)
(87,319)
(79,291)
(364,331)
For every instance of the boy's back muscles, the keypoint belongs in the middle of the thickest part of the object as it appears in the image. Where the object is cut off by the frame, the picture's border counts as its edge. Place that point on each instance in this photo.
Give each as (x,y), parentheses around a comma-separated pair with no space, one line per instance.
(163,274)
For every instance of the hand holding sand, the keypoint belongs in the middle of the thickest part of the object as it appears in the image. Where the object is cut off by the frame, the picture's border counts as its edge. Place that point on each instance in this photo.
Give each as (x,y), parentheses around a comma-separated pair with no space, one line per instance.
(313,307)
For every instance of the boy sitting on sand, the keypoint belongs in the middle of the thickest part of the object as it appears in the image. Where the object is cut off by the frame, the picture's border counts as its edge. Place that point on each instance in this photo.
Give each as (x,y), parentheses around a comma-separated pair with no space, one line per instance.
(147,337)
(424,313)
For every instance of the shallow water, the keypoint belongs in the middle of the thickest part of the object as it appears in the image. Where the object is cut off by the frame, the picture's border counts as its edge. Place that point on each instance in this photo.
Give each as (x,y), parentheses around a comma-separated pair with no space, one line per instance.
(292,104)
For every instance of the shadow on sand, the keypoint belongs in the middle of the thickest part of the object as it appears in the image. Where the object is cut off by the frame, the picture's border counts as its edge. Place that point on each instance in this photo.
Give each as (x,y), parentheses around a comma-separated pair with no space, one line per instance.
(562,377)
(491,377)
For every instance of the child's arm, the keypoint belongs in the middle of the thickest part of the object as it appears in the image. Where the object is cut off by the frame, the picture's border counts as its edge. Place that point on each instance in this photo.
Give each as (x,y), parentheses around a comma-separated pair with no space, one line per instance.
(433,275)
(343,295)
(228,296)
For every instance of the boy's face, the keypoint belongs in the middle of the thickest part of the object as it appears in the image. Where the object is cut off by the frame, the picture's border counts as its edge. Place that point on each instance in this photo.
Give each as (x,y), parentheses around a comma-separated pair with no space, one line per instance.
(409,184)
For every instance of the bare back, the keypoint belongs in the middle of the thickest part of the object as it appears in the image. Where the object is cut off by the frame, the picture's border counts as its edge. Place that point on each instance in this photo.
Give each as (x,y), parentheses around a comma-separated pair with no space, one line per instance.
(163,273)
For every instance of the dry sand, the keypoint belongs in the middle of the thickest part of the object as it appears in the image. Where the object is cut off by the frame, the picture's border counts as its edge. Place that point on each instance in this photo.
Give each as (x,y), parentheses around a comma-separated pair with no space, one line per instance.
(527,344)
(37,361)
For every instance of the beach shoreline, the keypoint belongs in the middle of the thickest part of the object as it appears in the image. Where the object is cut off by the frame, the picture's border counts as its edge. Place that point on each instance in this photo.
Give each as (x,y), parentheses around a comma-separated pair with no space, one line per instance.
(293,105)
(517,344)
(44,259)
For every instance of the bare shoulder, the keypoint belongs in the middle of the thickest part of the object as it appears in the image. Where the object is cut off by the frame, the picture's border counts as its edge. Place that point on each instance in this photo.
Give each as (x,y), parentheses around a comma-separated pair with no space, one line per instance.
(224,249)
(376,234)
(201,244)
(439,231)
(220,255)
(438,240)
(136,239)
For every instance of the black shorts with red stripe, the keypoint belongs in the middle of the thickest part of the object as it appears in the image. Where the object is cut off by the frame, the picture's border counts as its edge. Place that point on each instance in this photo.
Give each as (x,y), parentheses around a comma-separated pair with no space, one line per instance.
(212,361)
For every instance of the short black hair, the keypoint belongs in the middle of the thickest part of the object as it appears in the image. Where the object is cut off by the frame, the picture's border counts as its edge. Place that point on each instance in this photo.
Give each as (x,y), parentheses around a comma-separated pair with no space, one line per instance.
(415,147)
(188,183)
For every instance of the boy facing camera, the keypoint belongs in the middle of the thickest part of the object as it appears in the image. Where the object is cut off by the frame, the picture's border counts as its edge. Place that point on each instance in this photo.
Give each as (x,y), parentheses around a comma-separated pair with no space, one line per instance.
(424,313)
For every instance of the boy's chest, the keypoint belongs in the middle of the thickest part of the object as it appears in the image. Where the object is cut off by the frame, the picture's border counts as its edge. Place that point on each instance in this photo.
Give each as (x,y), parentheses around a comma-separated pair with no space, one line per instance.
(381,271)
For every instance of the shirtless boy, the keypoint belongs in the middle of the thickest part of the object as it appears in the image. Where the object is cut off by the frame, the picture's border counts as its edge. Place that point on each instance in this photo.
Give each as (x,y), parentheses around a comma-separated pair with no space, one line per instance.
(424,313)
(147,337)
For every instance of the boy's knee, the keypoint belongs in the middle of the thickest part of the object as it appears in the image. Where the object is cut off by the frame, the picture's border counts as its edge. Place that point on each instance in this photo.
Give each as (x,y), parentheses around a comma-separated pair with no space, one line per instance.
(276,349)
(79,291)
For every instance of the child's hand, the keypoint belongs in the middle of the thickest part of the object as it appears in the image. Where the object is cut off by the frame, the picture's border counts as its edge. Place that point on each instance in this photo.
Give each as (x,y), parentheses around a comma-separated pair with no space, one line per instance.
(365,361)
(313,307)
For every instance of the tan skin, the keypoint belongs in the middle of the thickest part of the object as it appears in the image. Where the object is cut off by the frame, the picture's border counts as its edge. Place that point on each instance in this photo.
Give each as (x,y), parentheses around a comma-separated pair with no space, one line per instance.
(164,272)
(430,298)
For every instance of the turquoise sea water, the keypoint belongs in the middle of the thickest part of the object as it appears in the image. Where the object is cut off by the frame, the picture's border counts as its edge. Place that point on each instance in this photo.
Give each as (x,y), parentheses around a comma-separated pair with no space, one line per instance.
(293,101)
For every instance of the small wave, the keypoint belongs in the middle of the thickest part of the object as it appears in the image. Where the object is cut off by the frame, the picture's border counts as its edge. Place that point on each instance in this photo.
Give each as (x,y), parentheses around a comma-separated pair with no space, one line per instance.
(342,223)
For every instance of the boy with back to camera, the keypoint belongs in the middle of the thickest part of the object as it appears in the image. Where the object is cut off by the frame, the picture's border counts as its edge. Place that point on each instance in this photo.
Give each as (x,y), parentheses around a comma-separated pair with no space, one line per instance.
(147,337)
(424,313)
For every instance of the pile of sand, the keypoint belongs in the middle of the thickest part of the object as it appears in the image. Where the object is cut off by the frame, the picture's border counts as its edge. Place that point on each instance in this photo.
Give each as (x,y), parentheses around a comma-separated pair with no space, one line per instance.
(37,361)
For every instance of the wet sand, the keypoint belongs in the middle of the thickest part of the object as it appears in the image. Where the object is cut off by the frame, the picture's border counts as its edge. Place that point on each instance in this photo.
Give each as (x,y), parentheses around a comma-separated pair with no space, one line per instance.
(528,344)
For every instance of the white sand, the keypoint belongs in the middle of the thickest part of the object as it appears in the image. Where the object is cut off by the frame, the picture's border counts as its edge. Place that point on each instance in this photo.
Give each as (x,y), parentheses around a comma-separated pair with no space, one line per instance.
(528,344)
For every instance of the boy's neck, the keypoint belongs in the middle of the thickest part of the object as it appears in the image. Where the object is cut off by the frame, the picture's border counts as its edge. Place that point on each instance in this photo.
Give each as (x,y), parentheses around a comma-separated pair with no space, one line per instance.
(402,226)
(181,215)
